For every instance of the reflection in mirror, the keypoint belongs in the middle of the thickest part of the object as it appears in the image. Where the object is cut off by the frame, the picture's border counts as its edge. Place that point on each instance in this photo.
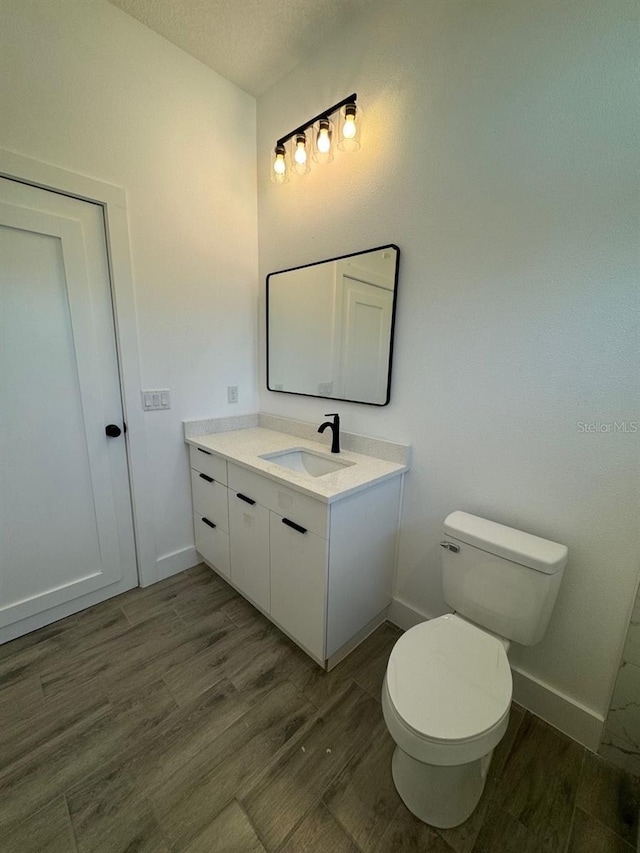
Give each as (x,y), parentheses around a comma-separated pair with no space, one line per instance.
(330,327)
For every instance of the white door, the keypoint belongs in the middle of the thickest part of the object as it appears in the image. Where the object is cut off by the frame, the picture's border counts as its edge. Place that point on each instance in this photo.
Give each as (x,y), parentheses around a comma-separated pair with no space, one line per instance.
(66,532)
(366,328)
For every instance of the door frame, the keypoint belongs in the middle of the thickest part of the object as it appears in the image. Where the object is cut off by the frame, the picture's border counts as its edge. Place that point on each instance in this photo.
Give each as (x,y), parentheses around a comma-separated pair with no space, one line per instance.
(113,201)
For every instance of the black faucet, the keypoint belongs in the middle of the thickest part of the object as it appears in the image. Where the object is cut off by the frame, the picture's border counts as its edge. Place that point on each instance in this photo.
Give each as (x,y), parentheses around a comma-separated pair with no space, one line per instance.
(335,429)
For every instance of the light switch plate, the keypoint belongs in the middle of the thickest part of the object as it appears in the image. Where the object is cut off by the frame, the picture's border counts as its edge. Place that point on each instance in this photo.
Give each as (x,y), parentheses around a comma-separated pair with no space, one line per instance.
(155,400)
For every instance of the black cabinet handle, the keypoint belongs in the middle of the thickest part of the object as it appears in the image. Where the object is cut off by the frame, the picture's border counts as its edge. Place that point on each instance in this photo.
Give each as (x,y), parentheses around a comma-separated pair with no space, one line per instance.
(208,479)
(293,525)
(206,521)
(245,499)
(208,452)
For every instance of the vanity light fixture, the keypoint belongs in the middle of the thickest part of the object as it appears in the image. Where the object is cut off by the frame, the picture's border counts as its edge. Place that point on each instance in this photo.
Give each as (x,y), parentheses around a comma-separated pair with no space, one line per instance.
(293,152)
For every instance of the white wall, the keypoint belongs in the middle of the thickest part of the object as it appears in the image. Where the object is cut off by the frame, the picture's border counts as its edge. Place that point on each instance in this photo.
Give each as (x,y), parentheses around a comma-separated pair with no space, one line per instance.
(498,153)
(87,88)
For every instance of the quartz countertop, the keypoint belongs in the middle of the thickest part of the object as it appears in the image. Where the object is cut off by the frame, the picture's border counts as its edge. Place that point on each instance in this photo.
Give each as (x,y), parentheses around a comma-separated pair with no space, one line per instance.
(244,447)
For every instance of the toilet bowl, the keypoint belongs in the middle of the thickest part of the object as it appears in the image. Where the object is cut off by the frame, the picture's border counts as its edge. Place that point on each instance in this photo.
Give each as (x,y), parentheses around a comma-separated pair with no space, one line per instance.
(447,689)
(445,699)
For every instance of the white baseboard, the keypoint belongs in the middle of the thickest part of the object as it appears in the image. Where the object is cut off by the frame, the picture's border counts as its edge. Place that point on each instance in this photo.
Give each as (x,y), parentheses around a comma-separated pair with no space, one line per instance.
(178,561)
(405,615)
(559,710)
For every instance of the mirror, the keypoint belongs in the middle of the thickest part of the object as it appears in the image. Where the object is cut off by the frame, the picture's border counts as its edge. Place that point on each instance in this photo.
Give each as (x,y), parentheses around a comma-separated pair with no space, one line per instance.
(330,327)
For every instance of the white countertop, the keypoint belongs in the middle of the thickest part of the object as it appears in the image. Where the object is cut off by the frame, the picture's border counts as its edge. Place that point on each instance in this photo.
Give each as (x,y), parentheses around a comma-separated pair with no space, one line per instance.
(246,446)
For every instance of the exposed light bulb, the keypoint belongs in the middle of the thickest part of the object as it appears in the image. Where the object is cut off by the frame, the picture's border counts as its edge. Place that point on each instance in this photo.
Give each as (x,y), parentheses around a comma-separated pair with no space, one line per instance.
(300,154)
(349,129)
(324,140)
(279,165)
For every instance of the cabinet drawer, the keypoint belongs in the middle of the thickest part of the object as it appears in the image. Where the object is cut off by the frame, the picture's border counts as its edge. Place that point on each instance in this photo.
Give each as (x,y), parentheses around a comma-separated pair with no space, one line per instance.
(208,463)
(301,509)
(298,584)
(210,499)
(213,544)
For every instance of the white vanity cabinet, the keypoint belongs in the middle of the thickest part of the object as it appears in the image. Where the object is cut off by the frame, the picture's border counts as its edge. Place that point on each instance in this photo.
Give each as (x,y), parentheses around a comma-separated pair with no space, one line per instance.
(322,571)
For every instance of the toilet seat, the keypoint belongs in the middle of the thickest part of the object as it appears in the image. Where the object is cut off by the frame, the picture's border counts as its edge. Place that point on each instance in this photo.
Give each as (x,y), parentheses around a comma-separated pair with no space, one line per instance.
(447,691)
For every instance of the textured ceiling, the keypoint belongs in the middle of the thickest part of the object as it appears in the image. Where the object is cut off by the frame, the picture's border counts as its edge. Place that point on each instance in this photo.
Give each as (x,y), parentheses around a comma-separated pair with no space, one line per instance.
(253,43)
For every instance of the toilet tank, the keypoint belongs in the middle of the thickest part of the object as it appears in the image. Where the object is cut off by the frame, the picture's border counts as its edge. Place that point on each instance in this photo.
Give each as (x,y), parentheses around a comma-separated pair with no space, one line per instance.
(502,579)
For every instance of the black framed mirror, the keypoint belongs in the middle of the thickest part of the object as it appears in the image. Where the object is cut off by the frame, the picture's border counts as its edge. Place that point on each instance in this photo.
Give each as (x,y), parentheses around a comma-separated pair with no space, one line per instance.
(330,327)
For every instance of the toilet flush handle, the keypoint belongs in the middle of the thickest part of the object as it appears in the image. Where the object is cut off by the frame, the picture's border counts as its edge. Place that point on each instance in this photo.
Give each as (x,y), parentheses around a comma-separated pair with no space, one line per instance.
(450,547)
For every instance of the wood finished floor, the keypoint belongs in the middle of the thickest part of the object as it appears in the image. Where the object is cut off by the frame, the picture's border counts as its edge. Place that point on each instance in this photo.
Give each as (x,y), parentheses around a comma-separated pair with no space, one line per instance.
(177,718)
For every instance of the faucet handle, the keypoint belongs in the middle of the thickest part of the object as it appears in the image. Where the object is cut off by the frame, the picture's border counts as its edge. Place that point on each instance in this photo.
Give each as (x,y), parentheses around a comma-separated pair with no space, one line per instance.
(331,415)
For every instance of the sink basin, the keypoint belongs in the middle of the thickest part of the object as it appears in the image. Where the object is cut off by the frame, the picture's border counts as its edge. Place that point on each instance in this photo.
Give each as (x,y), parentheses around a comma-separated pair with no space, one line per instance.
(306,462)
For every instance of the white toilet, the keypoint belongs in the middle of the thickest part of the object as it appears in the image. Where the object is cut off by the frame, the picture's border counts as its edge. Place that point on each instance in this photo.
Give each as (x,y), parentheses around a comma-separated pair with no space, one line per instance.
(447,689)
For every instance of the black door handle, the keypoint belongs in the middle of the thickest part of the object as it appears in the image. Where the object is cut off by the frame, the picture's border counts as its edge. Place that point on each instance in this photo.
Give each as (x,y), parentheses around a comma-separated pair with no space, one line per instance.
(113,430)
(294,526)
(207,522)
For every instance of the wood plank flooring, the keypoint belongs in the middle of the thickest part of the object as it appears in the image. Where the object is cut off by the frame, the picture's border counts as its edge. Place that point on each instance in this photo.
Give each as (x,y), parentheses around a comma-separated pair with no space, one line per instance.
(177,718)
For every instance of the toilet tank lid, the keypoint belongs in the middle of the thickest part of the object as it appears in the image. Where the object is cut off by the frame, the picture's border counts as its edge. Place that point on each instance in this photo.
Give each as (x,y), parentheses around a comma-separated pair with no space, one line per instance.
(523,548)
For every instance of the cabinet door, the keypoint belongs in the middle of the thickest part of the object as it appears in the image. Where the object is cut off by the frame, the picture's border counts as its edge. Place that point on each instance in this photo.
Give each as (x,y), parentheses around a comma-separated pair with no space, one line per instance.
(249,540)
(298,584)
